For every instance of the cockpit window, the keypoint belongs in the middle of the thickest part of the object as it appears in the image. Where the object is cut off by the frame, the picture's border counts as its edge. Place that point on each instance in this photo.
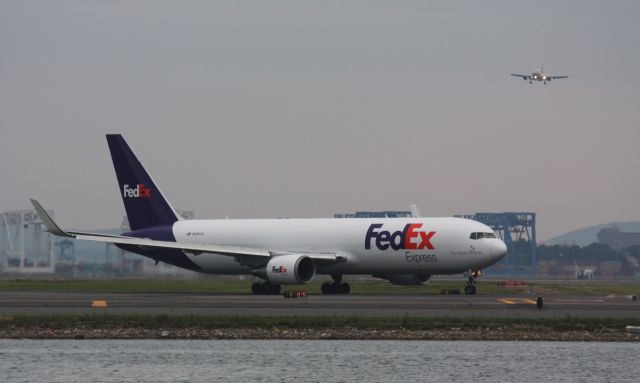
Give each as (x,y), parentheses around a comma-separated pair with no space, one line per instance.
(481,235)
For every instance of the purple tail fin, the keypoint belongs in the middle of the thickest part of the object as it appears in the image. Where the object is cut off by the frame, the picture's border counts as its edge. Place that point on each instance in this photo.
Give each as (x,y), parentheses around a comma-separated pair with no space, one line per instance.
(144,203)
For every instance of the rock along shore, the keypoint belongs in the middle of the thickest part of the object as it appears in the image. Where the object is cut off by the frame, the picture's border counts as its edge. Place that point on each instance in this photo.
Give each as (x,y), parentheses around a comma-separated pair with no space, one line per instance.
(478,334)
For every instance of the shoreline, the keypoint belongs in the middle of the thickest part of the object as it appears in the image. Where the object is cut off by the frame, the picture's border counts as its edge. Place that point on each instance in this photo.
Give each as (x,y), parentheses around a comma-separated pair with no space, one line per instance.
(318,334)
(315,328)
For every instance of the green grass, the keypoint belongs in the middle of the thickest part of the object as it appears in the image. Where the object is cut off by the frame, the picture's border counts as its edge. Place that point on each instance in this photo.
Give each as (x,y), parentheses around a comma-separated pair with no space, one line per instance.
(588,288)
(331,322)
(128,285)
(232,285)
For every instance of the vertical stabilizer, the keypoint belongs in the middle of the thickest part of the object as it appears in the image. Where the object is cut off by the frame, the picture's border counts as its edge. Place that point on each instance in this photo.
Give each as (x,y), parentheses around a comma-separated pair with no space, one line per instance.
(143,201)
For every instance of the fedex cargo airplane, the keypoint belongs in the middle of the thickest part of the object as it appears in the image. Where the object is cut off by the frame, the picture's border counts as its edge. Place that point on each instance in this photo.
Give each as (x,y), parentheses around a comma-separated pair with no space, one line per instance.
(404,251)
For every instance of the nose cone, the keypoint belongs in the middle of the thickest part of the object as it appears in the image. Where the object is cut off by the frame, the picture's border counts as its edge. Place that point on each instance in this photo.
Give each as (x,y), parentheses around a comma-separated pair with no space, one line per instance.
(498,250)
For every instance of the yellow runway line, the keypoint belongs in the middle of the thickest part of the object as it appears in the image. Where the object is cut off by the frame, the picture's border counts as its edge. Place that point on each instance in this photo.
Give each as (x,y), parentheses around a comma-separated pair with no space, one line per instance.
(98,303)
(515,301)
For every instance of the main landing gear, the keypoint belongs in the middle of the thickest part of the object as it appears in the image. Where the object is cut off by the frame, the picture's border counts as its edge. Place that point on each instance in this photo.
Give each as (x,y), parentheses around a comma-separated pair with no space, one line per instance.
(470,288)
(337,287)
(265,288)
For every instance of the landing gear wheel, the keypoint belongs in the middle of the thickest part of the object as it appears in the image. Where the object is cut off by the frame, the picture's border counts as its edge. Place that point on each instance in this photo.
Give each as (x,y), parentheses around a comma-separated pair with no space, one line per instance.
(470,290)
(335,288)
(326,288)
(265,288)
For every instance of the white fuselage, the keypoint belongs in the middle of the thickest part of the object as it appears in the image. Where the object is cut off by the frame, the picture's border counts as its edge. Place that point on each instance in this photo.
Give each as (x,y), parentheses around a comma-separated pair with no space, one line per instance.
(538,76)
(432,246)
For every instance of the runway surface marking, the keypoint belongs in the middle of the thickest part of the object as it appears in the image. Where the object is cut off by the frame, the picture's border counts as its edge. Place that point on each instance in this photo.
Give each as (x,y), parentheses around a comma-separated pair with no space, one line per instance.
(516,301)
(578,300)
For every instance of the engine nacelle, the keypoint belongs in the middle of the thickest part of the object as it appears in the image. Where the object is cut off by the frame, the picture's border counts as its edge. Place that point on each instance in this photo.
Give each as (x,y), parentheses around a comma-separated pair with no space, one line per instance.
(406,279)
(290,269)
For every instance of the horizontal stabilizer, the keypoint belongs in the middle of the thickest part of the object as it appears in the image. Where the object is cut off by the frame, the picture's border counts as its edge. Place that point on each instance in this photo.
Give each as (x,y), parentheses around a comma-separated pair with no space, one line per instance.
(54,229)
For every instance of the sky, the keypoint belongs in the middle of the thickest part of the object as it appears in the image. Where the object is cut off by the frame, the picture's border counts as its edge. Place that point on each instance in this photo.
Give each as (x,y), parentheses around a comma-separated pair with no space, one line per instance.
(308,108)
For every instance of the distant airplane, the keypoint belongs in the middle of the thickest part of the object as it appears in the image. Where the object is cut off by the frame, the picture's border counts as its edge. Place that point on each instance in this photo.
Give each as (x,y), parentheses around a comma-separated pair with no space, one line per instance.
(538,75)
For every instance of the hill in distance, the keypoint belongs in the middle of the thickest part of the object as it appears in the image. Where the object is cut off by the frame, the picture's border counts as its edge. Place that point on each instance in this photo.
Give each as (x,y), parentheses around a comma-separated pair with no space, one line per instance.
(588,235)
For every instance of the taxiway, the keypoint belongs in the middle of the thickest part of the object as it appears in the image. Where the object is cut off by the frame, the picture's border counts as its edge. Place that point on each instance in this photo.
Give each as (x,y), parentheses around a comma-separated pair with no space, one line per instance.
(496,306)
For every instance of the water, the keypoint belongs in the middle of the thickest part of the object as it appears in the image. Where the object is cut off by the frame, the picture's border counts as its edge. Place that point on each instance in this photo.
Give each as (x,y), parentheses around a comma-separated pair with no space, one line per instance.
(315,361)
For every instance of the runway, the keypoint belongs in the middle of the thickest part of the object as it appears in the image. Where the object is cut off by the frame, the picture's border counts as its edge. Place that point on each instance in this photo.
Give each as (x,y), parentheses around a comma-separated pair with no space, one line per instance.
(502,306)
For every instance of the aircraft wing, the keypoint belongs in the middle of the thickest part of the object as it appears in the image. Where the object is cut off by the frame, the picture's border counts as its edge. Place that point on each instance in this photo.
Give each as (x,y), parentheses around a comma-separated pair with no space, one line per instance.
(524,76)
(556,77)
(246,255)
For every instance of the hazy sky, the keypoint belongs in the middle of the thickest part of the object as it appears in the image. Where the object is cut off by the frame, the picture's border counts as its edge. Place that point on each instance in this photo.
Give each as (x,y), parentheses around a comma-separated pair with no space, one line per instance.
(299,108)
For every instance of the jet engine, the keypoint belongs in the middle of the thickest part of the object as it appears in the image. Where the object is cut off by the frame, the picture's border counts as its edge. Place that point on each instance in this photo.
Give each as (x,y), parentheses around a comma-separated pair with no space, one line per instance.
(290,269)
(406,279)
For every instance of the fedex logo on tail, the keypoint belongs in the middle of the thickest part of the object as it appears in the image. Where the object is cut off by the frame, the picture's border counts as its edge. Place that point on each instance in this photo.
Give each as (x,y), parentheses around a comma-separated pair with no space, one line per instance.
(410,238)
(139,191)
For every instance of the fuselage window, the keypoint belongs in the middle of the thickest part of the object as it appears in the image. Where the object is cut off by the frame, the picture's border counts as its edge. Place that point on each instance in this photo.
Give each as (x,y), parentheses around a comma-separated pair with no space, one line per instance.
(473,235)
(489,235)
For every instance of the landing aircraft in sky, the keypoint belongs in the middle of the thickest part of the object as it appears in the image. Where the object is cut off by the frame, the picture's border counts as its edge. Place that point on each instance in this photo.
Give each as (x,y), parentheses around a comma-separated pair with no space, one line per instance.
(404,251)
(538,75)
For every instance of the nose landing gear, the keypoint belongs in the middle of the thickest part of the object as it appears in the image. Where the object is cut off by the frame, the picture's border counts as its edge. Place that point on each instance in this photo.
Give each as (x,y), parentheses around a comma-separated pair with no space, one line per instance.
(470,288)
(337,287)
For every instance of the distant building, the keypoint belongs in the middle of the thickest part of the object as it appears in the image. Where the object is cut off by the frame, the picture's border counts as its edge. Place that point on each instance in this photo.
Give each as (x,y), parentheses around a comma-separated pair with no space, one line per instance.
(616,239)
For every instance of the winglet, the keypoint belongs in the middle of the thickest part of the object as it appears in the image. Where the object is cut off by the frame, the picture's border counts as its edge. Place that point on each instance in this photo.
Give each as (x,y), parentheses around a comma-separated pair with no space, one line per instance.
(50,224)
(415,212)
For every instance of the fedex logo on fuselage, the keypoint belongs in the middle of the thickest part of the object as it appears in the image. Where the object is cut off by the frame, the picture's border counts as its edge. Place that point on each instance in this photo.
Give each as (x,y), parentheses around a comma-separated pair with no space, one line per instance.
(410,238)
(139,191)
